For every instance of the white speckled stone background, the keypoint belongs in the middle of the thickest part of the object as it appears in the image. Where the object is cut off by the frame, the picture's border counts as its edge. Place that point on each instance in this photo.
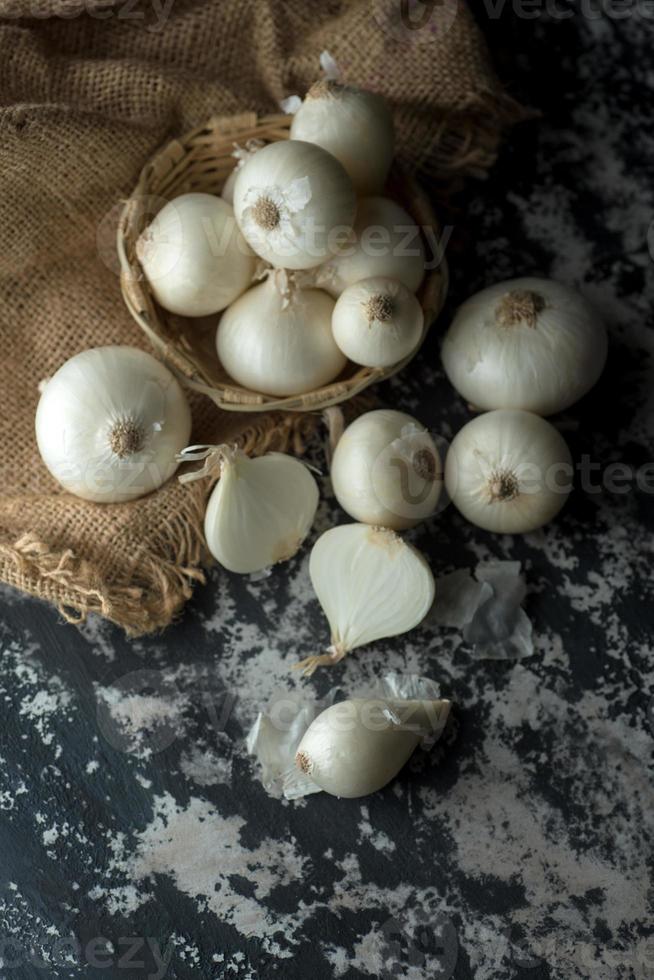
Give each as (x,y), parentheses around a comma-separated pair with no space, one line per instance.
(135,840)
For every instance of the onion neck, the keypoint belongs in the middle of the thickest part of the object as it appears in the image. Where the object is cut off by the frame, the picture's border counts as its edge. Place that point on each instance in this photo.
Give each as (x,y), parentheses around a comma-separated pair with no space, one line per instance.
(326,88)
(266,213)
(503,486)
(424,465)
(126,437)
(519,306)
(304,763)
(379,307)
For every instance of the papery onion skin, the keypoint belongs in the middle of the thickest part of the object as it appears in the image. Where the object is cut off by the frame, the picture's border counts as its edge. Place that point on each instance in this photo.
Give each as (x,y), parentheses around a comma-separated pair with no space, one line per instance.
(275,350)
(353,125)
(260,511)
(377,322)
(508,471)
(194,256)
(385,242)
(288,234)
(386,470)
(110,422)
(529,343)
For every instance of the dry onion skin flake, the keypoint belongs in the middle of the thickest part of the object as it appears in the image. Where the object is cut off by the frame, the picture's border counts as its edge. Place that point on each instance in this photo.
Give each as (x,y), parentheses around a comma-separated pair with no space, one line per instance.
(194,257)
(386,470)
(353,125)
(370,583)
(530,344)
(508,471)
(110,423)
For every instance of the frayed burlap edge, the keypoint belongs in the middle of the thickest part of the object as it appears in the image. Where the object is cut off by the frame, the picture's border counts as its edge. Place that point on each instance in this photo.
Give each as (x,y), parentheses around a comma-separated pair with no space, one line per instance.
(167,571)
(465,141)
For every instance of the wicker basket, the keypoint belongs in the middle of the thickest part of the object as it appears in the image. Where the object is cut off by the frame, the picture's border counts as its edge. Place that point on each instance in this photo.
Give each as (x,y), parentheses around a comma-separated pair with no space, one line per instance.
(202,161)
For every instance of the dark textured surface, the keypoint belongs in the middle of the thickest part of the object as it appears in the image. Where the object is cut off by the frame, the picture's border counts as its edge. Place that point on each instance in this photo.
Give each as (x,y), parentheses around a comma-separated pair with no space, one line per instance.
(523,850)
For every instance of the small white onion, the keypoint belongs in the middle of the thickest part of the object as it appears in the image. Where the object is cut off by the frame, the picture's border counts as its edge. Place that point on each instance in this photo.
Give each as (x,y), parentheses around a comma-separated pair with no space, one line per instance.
(385,241)
(194,256)
(294,203)
(279,341)
(508,471)
(356,747)
(354,125)
(370,583)
(377,322)
(529,343)
(386,470)
(110,422)
(260,511)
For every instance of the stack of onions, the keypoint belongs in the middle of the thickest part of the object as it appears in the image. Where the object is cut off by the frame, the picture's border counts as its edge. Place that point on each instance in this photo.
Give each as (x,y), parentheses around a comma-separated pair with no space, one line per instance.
(292,206)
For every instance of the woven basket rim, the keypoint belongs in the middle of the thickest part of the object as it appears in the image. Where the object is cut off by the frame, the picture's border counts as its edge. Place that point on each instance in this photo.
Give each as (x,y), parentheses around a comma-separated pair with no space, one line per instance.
(166,170)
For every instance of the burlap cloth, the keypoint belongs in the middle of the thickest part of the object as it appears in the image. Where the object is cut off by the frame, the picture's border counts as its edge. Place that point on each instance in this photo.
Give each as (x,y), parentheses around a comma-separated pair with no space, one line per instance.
(88,92)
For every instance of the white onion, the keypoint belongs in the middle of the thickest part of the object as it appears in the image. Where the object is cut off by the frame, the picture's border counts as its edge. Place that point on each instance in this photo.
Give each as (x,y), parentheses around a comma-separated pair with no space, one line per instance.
(110,422)
(385,242)
(377,322)
(508,471)
(370,584)
(279,342)
(356,747)
(194,256)
(260,511)
(385,470)
(354,125)
(294,202)
(530,344)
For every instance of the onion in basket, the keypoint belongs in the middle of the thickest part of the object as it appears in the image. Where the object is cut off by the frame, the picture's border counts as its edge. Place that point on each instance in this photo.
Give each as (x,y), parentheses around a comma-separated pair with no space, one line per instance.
(277,338)
(377,322)
(194,257)
(385,242)
(292,200)
(354,125)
